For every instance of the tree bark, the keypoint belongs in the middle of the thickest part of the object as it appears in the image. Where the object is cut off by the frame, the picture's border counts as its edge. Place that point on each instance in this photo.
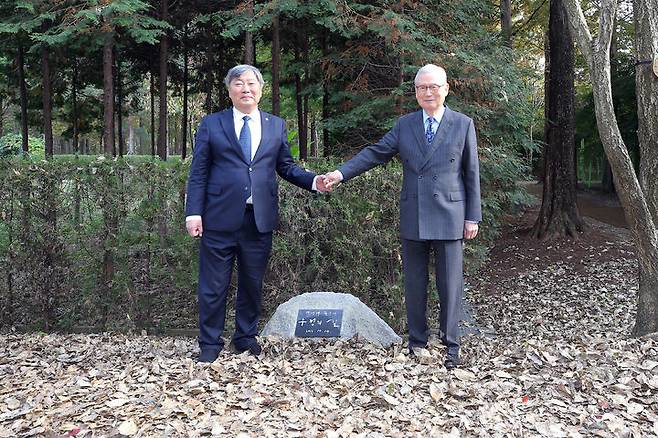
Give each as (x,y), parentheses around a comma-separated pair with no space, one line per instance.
(183,152)
(164,48)
(646,89)
(276,62)
(108,96)
(506,21)
(559,214)
(23,92)
(47,98)
(596,52)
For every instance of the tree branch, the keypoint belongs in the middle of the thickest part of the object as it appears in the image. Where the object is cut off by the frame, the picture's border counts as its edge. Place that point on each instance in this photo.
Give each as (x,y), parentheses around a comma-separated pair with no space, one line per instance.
(579,25)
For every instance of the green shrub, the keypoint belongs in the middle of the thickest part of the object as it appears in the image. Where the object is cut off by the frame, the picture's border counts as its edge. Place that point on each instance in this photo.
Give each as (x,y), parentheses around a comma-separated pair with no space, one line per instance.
(10,144)
(101,242)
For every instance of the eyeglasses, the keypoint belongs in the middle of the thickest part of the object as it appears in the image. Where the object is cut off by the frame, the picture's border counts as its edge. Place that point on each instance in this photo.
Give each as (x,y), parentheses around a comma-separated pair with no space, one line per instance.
(433,88)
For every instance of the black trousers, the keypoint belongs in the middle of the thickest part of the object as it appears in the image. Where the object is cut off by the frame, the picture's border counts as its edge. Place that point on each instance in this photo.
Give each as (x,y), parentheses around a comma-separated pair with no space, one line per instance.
(218,253)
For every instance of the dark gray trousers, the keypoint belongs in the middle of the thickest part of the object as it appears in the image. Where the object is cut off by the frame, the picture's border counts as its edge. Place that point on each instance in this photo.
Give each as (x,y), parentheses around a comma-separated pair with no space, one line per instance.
(449,282)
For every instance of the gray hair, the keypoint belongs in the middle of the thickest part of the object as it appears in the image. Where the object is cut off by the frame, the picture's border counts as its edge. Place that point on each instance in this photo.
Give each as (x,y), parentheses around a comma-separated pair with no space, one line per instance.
(239,70)
(431,69)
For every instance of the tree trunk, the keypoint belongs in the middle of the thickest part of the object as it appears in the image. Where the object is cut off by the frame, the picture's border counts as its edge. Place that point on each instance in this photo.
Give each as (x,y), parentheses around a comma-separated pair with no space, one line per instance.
(276,62)
(108,96)
(47,98)
(314,138)
(506,21)
(152,93)
(209,77)
(607,182)
(23,92)
(249,52)
(646,89)
(638,216)
(303,148)
(325,102)
(301,124)
(301,140)
(559,214)
(183,153)
(74,96)
(164,48)
(119,106)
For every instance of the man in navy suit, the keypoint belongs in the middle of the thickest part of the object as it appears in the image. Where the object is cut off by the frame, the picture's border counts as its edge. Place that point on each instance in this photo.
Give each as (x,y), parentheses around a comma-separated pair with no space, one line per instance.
(232,205)
(439,202)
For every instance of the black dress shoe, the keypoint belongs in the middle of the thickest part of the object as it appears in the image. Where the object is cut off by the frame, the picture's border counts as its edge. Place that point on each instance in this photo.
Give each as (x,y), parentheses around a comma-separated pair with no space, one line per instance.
(254,349)
(452,361)
(208,355)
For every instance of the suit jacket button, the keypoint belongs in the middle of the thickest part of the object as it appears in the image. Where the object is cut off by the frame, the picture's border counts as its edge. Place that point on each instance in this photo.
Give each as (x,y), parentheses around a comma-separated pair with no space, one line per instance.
(420,176)
(434,177)
(251,170)
(436,196)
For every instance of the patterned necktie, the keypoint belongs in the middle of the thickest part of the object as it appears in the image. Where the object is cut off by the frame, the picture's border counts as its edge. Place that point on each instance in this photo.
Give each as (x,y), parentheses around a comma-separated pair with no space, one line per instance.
(429,133)
(245,139)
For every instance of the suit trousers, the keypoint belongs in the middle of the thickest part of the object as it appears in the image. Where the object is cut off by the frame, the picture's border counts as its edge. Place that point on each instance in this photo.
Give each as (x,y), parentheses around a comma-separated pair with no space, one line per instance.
(217,255)
(449,283)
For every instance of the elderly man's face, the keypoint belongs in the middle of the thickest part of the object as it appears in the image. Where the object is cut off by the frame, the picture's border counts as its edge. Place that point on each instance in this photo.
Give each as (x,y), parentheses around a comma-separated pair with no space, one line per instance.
(431,91)
(245,92)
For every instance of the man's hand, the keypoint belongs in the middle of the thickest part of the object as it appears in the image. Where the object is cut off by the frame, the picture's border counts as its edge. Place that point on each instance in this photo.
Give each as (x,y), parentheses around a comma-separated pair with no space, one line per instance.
(332,179)
(321,184)
(470,230)
(194,227)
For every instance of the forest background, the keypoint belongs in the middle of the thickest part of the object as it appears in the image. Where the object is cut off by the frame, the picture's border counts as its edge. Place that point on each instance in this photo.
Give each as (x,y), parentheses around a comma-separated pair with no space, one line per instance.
(99,100)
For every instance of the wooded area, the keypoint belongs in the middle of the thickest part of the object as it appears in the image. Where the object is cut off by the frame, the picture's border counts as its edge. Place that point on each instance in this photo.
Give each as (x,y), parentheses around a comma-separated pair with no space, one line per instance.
(133,77)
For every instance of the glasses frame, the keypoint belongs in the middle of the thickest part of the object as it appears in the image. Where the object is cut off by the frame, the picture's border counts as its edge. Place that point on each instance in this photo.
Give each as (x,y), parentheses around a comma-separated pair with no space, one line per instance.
(434,88)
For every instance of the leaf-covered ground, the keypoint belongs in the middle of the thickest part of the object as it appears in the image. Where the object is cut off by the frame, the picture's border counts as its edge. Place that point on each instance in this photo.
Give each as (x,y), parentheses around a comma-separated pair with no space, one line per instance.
(555,358)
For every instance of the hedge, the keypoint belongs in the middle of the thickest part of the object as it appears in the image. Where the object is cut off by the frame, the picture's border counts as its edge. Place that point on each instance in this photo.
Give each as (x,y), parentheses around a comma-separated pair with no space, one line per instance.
(101,243)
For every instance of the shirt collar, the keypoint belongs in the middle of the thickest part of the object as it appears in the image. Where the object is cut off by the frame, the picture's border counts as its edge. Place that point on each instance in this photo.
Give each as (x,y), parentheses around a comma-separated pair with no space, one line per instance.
(437,117)
(238,115)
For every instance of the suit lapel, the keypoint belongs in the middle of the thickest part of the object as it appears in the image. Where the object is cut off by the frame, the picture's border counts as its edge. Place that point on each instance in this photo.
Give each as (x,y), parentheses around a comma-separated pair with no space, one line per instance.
(266,129)
(226,120)
(419,132)
(441,137)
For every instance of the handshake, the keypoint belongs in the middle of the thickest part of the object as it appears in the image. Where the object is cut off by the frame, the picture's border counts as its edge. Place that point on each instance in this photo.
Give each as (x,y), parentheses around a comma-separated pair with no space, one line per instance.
(327,182)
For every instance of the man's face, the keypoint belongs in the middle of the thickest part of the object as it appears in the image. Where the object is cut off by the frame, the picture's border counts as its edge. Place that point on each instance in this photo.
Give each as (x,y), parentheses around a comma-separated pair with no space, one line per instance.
(431,91)
(245,92)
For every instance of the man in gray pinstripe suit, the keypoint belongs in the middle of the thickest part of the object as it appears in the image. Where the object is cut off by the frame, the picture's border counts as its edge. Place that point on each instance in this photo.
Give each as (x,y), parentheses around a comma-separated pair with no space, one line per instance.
(439,202)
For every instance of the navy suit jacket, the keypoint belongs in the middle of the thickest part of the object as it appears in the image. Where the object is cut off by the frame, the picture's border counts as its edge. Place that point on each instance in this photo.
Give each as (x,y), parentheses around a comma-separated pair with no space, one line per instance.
(221,179)
(441,181)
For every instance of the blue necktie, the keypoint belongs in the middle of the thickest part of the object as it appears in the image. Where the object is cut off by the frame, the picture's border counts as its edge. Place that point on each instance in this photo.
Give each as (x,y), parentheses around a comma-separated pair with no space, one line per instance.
(429,133)
(245,139)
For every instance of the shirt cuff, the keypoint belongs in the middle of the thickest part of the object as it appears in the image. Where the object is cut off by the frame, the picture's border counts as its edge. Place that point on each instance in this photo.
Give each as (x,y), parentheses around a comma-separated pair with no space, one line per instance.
(314,186)
(472,222)
(193,217)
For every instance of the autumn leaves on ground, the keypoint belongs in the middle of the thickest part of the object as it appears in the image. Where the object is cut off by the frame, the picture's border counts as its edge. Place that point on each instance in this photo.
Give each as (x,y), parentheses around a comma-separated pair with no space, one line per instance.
(554,359)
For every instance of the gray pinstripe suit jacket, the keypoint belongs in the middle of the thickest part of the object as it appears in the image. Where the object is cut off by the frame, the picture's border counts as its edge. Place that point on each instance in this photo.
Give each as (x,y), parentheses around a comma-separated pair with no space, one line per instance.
(441,181)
